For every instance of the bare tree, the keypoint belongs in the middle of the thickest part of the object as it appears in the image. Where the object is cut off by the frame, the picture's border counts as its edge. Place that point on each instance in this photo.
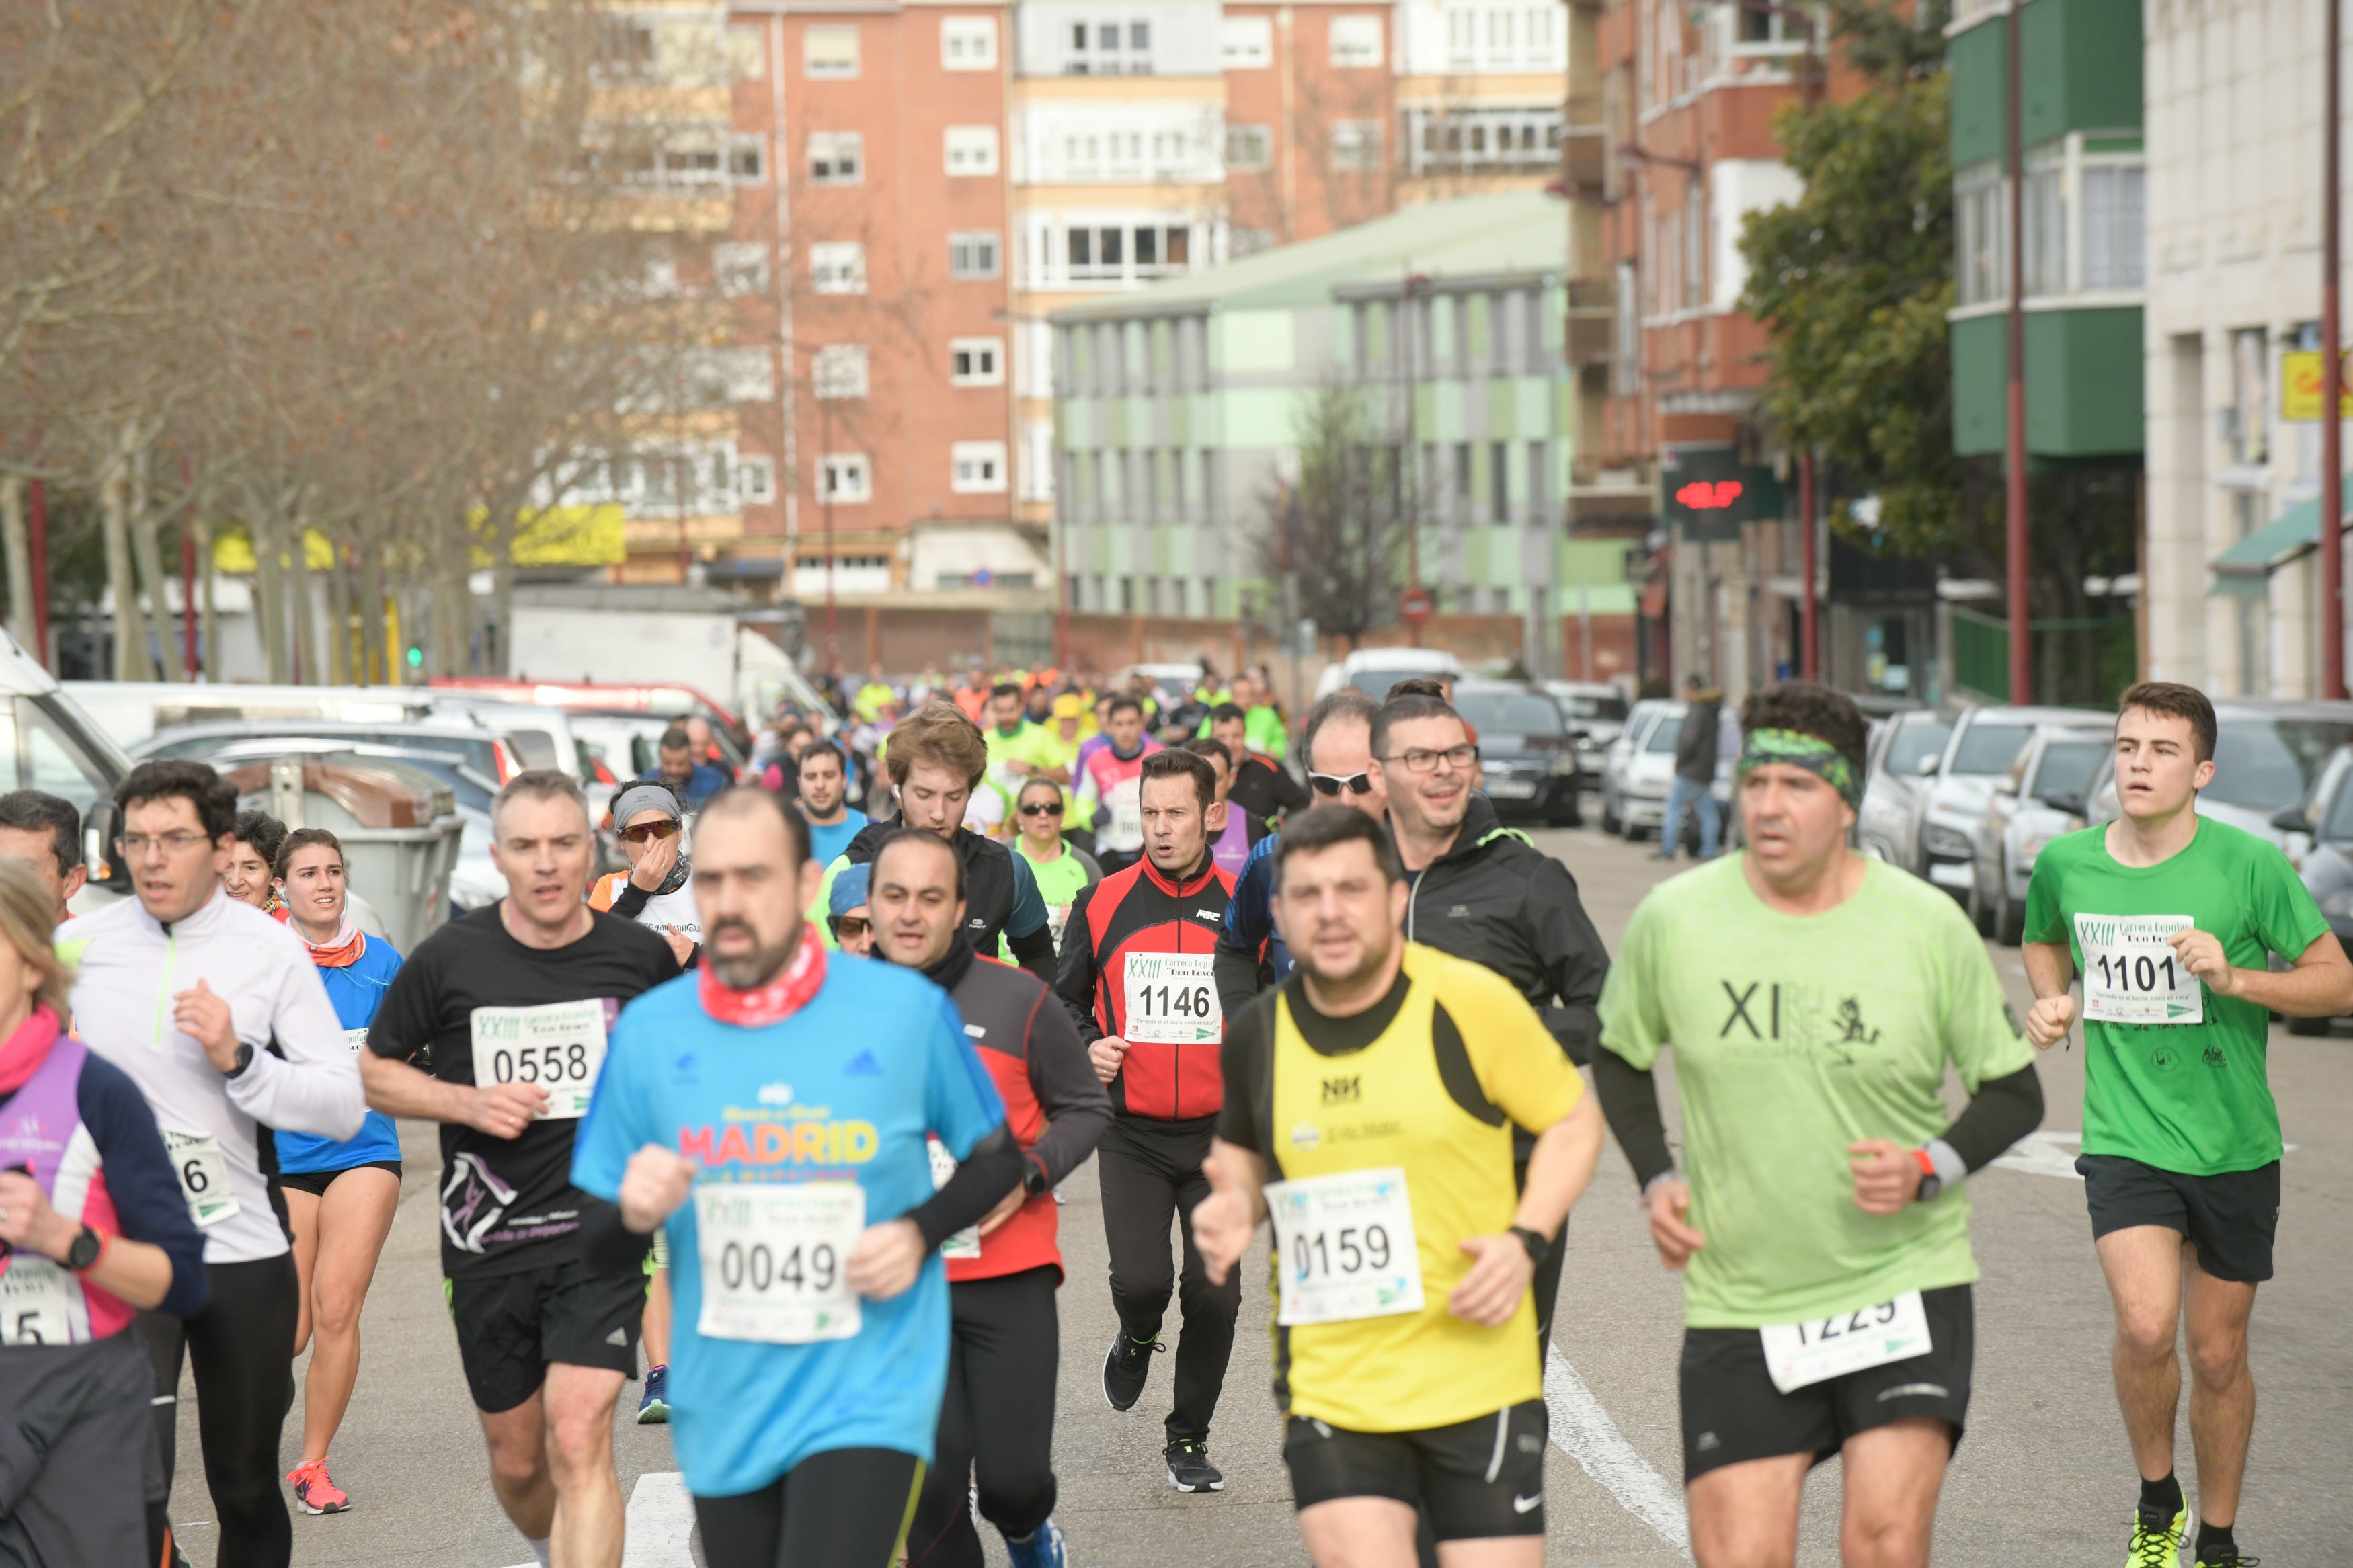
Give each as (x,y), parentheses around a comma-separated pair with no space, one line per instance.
(1338,527)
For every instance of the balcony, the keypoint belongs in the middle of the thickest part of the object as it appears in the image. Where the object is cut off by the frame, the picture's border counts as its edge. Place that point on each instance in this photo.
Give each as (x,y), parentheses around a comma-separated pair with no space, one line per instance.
(1592,318)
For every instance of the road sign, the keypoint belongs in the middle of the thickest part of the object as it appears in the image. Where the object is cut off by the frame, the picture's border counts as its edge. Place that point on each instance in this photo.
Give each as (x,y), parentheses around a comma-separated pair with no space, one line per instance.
(1417,605)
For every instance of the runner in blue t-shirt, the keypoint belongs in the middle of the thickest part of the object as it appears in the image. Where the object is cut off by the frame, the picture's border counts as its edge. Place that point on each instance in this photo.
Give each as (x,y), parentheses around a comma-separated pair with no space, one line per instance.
(774,1112)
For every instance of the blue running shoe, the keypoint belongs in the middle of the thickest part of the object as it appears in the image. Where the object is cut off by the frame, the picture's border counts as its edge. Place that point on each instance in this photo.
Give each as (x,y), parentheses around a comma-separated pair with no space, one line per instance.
(653,1410)
(1043,1549)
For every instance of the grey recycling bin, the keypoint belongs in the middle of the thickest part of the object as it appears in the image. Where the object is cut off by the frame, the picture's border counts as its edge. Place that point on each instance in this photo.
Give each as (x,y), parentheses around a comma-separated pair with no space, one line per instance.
(399,827)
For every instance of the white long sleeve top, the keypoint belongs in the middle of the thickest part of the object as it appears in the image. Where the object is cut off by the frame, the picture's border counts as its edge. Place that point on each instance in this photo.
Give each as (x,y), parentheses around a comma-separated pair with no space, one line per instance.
(131,966)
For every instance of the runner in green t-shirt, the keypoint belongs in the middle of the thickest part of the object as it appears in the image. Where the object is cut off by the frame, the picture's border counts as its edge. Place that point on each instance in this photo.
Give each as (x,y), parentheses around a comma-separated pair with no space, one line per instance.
(2171,919)
(1814,999)
(1063,870)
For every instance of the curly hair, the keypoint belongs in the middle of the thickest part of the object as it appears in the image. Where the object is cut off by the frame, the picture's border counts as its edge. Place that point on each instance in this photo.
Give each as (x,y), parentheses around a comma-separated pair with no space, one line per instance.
(211,796)
(1811,710)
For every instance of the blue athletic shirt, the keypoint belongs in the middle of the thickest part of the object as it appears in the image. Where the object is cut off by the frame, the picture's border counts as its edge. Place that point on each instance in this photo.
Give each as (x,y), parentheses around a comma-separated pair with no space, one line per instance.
(877,1045)
(827,841)
(357,991)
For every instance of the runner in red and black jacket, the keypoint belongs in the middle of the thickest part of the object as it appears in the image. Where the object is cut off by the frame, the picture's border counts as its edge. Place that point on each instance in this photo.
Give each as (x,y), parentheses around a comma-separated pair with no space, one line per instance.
(1137,975)
(997,1419)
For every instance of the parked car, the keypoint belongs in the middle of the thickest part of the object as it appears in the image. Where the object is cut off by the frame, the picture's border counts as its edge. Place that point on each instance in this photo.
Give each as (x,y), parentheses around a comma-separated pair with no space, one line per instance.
(1984,743)
(1891,781)
(1525,751)
(1616,758)
(1639,801)
(1596,714)
(541,736)
(1373,670)
(2325,822)
(2043,796)
(2267,757)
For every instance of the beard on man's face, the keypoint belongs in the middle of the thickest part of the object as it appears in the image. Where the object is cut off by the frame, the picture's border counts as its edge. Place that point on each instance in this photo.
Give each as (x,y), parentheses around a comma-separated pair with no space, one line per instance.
(749,969)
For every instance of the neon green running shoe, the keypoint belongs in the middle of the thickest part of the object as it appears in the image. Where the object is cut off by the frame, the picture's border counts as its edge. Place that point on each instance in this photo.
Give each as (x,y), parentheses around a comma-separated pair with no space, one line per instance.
(2156,1538)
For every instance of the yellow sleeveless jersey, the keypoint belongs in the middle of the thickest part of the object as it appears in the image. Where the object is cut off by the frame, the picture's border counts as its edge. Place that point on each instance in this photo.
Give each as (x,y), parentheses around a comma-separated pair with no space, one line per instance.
(1429,1080)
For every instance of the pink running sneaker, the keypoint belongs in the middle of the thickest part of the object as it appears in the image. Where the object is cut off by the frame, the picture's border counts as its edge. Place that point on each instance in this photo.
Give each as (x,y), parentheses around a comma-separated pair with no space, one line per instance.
(313,1492)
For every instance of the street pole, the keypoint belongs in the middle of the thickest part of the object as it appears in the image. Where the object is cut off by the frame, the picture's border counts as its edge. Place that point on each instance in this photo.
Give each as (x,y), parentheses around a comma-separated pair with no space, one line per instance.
(1809,642)
(36,553)
(2021,650)
(1412,456)
(2332,380)
(188,661)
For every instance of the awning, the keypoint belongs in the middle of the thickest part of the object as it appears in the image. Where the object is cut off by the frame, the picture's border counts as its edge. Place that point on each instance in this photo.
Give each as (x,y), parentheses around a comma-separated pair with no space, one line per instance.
(2244,571)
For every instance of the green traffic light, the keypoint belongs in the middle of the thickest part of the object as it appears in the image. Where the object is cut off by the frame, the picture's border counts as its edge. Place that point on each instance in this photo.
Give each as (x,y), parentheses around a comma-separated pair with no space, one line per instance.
(415,658)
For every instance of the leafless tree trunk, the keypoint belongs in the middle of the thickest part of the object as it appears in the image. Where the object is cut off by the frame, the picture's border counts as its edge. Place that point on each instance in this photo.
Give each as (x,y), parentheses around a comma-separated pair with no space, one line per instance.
(339,621)
(268,601)
(147,550)
(305,616)
(131,661)
(211,650)
(372,643)
(18,551)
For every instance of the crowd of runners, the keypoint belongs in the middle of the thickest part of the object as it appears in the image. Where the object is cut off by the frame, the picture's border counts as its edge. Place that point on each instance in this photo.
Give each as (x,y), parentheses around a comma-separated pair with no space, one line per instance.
(771,1121)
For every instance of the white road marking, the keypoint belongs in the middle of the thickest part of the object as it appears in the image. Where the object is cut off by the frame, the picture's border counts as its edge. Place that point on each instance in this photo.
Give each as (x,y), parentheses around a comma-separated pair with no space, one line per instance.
(2054,1155)
(1583,1430)
(660,1523)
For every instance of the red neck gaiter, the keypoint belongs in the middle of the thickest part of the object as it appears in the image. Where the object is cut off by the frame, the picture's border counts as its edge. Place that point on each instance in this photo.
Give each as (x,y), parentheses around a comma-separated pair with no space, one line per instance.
(22,1053)
(779,999)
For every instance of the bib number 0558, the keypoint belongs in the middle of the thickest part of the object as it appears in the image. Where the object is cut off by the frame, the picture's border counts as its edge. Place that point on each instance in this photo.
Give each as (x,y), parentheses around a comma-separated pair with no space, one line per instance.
(560,1047)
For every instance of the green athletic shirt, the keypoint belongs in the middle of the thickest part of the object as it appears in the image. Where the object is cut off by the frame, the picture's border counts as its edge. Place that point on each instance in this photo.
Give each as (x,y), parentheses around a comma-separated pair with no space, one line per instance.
(2188,1098)
(1796,1036)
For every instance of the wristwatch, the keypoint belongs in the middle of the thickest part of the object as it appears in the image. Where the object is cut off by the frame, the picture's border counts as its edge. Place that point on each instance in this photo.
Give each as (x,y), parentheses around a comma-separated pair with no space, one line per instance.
(1931,1183)
(243,1060)
(1033,1179)
(1539,1246)
(87,1249)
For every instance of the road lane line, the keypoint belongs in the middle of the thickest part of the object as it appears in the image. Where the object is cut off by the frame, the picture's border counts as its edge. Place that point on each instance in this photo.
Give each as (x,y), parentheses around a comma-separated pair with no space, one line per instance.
(660,1523)
(1583,1430)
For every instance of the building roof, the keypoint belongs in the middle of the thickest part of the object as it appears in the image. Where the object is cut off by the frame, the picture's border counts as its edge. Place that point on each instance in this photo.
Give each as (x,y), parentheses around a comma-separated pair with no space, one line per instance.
(1512,233)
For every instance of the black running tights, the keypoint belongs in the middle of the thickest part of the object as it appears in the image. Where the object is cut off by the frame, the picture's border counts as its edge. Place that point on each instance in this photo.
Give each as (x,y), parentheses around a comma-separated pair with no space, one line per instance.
(997,1415)
(242,1347)
(846,1508)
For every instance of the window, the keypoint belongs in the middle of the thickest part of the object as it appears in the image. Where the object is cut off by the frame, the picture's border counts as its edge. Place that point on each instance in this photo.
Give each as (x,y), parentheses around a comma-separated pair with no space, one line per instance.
(747,52)
(2113,226)
(838,266)
(755,479)
(829,52)
(1462,37)
(1155,249)
(1626,333)
(978,468)
(1539,479)
(1038,459)
(968,42)
(740,267)
(1356,144)
(2046,228)
(839,369)
(845,478)
(1246,43)
(972,150)
(747,160)
(836,157)
(1109,48)
(974,255)
(976,362)
(1248,146)
(1981,235)
(1695,244)
(629,51)
(1357,40)
(1499,481)
(1483,140)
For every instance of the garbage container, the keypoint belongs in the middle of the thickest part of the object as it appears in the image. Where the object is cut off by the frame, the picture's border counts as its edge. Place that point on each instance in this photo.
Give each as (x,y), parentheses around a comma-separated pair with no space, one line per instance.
(399,827)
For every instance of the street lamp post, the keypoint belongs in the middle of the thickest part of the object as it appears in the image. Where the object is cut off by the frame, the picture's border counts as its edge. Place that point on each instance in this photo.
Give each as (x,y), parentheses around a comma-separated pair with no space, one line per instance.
(2332,380)
(2022,631)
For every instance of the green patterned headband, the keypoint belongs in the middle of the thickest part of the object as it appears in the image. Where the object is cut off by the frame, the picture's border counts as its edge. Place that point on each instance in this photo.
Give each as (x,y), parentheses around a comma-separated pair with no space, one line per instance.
(1800,749)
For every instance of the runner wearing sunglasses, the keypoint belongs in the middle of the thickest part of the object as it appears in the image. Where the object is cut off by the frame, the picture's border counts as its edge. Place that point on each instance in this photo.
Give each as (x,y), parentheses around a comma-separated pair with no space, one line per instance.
(847,914)
(1063,870)
(658,890)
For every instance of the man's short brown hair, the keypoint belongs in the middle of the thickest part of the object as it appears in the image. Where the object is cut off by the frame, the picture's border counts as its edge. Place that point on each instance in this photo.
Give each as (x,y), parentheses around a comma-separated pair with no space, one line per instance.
(2175,701)
(937,735)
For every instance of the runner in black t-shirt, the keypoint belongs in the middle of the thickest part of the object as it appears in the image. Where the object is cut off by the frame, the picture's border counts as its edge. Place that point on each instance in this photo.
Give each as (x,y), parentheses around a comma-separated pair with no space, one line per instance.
(513,1002)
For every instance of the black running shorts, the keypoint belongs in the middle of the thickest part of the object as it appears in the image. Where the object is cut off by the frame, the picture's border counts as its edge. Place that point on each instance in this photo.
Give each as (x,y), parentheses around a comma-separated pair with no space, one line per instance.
(1475,1479)
(1731,1412)
(510,1326)
(316,1182)
(2229,1218)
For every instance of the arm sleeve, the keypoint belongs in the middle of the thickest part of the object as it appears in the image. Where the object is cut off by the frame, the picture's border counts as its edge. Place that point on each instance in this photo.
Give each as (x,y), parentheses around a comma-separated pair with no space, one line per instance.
(1074,976)
(1078,1111)
(1633,1021)
(1629,1103)
(1575,963)
(2044,922)
(2286,917)
(315,1086)
(961,1102)
(989,1170)
(2003,1110)
(147,1204)
(629,900)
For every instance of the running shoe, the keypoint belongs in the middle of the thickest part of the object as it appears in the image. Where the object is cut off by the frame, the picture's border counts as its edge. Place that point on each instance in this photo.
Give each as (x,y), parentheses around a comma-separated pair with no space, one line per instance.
(313,1492)
(2232,1559)
(653,1410)
(1043,1549)
(2156,1538)
(1190,1469)
(1126,1368)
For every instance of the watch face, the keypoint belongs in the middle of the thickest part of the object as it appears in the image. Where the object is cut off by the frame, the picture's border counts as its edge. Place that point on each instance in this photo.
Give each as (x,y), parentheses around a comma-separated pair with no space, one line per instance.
(84,1250)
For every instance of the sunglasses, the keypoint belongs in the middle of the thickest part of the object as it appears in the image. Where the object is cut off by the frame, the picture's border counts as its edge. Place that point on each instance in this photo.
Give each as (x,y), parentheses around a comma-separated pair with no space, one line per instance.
(1043,809)
(1333,783)
(851,926)
(647,832)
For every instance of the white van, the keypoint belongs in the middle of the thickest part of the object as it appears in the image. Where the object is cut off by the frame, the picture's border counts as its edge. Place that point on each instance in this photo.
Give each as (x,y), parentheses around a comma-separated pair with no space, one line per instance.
(1373,670)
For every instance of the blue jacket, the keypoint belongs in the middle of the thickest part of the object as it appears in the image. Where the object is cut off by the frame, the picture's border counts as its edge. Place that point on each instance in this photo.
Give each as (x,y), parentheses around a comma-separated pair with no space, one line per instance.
(703,783)
(357,991)
(1247,927)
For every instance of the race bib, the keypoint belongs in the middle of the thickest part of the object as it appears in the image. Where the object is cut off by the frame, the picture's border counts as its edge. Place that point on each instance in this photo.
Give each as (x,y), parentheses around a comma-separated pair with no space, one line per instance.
(1172,999)
(2132,976)
(356,1039)
(559,1047)
(203,1169)
(1125,805)
(966,1243)
(776,1260)
(35,1307)
(1345,1244)
(1797,1354)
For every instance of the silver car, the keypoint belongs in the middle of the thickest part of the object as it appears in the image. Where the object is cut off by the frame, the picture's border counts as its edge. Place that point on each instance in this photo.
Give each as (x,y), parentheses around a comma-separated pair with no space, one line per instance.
(2041,796)
(1615,757)
(1892,784)
(1634,792)
(1984,743)
(1596,715)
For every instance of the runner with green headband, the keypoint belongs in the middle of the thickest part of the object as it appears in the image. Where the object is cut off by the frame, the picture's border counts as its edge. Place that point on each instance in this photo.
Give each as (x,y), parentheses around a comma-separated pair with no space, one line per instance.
(1813,999)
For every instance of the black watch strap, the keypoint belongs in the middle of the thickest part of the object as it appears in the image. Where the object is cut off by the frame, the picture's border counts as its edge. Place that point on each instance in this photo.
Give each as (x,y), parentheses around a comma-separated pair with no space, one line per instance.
(84,1250)
(1539,1246)
(1033,1178)
(243,1060)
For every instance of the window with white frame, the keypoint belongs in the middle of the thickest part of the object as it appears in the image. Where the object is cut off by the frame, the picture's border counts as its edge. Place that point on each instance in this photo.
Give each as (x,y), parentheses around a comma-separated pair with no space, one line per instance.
(2115,223)
(1694,289)
(838,266)
(1355,39)
(836,157)
(1108,48)
(740,267)
(838,370)
(2086,227)
(747,51)
(2046,224)
(1356,144)
(845,478)
(971,150)
(1038,459)
(1246,43)
(747,159)
(968,42)
(1483,140)
(1775,30)
(829,52)
(976,362)
(628,51)
(977,253)
(1462,37)
(1248,147)
(977,467)
(1106,252)
(1980,236)
(755,479)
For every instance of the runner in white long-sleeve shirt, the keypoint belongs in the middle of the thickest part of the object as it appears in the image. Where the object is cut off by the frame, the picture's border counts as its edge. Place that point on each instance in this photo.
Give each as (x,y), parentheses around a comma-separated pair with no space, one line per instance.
(217,1013)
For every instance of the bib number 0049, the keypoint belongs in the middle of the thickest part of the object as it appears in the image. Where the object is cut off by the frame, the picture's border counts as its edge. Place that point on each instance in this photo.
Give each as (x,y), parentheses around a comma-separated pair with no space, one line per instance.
(774,1261)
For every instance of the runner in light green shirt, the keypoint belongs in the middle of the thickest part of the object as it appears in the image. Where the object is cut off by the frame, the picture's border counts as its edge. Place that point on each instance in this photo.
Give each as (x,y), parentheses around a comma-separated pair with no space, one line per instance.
(1063,871)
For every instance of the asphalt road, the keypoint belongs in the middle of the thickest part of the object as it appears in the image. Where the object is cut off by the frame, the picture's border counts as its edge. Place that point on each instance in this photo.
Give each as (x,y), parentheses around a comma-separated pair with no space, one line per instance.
(2043,1477)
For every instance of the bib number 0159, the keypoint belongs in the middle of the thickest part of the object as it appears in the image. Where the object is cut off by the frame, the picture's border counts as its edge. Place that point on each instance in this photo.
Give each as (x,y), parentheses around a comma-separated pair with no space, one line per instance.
(1345,1246)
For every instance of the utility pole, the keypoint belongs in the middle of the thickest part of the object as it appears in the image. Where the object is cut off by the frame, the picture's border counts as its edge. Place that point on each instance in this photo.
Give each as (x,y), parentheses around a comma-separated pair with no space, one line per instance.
(2022,631)
(1810,663)
(1411,455)
(2332,380)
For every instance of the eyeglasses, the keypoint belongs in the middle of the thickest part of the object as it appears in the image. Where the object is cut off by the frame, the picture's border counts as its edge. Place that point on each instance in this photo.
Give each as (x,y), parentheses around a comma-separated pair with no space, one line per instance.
(1418,761)
(851,926)
(649,832)
(1043,809)
(134,846)
(1333,783)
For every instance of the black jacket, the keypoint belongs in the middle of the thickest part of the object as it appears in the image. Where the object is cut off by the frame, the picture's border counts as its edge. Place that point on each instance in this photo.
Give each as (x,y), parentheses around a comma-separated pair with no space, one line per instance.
(1000,897)
(1695,746)
(1266,790)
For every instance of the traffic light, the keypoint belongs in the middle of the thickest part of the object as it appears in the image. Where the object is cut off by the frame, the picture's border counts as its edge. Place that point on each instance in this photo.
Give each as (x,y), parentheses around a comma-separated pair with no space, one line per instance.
(415,658)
